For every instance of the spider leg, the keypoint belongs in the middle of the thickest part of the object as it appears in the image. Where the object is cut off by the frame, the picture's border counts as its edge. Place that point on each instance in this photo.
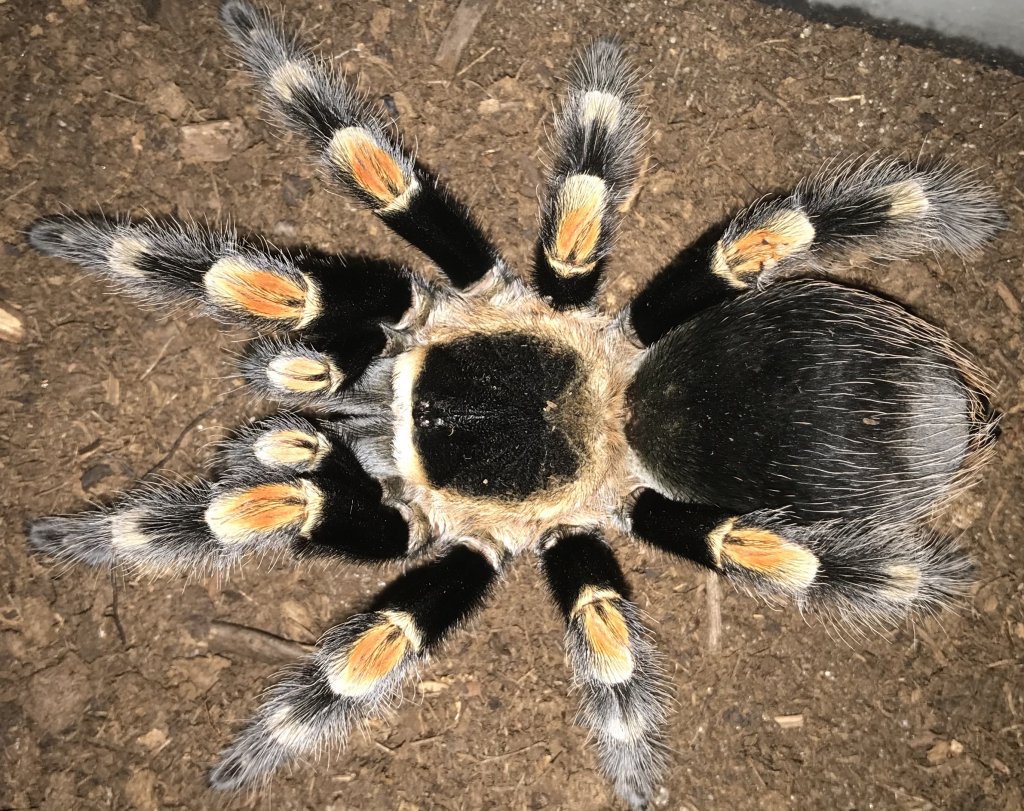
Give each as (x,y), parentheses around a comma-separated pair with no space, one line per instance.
(343,310)
(614,663)
(357,145)
(298,486)
(862,209)
(359,667)
(599,133)
(862,571)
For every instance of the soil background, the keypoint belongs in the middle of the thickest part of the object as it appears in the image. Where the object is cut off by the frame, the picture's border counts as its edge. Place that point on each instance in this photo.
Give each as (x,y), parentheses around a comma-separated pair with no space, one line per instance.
(115,692)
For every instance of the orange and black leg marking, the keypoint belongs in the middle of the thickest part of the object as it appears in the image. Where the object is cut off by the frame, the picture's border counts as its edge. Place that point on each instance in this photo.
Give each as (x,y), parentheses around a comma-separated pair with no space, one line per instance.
(295,486)
(357,144)
(598,136)
(341,308)
(618,673)
(359,667)
(862,571)
(863,209)
(233,278)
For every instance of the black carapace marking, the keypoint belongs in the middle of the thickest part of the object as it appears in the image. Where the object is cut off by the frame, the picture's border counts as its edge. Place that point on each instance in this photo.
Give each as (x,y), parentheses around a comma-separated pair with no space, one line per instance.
(489,415)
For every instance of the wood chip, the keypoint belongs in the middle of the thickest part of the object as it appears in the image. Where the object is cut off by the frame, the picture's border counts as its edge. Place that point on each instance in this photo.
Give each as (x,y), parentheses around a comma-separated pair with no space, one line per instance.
(488,107)
(154,739)
(1007,296)
(790,721)
(212,141)
(169,100)
(12,326)
(459,32)
(428,687)
(943,750)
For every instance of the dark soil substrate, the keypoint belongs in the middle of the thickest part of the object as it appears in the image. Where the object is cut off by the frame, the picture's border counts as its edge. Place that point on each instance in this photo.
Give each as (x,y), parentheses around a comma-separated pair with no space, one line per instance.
(116,694)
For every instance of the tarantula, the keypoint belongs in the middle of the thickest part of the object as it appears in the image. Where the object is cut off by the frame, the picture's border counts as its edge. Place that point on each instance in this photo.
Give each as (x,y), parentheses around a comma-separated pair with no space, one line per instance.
(793,436)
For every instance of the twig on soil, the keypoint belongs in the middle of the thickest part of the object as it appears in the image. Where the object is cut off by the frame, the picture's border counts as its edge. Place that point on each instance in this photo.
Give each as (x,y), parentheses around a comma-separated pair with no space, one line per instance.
(12,325)
(184,431)
(113,610)
(504,755)
(159,357)
(16,192)
(476,61)
(713,595)
(228,638)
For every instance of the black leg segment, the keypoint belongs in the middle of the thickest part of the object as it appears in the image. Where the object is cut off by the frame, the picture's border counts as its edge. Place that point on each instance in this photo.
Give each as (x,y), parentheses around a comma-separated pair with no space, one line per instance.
(881,209)
(359,667)
(598,137)
(615,666)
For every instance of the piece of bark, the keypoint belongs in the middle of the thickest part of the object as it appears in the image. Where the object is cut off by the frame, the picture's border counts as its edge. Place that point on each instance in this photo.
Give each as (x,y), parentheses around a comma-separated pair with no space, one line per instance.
(460,30)
(12,327)
(227,638)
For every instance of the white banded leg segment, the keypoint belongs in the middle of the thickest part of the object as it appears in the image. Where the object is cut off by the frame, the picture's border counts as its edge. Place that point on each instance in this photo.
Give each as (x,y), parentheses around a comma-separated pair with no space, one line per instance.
(357,144)
(623,696)
(333,509)
(171,262)
(356,674)
(865,208)
(298,483)
(599,133)
(861,572)
(614,663)
(358,669)
(868,208)
(235,280)
(301,376)
(162,529)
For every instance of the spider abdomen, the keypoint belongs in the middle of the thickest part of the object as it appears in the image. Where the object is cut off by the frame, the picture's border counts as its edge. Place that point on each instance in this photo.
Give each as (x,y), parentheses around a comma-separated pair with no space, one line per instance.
(494,415)
(812,396)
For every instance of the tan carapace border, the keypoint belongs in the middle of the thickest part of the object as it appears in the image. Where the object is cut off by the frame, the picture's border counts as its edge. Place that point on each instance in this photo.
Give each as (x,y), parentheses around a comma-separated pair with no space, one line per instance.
(596,424)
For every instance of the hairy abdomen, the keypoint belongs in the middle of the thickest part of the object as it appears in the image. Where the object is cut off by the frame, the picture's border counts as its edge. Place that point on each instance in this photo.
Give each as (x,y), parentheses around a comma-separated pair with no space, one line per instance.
(812,396)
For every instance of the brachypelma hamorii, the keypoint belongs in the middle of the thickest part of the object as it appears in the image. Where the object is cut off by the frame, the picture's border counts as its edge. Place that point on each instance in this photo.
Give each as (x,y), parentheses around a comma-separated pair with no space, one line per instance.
(795,436)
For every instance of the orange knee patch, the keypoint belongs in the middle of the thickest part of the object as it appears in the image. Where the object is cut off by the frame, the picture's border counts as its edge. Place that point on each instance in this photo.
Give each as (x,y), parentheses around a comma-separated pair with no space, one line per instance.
(238,285)
(606,634)
(373,656)
(760,249)
(239,516)
(354,151)
(765,553)
(579,210)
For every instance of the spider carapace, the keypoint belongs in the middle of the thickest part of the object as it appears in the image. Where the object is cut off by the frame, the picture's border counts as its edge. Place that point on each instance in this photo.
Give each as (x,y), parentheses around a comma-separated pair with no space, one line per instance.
(796,436)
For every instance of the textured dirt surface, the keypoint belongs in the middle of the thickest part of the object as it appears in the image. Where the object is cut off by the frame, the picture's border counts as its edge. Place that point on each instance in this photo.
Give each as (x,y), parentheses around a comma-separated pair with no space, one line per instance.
(114,694)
